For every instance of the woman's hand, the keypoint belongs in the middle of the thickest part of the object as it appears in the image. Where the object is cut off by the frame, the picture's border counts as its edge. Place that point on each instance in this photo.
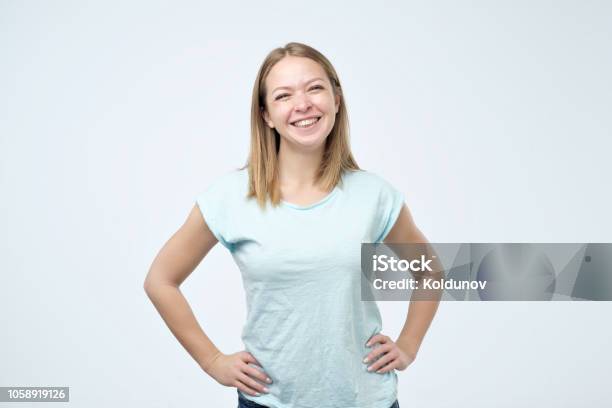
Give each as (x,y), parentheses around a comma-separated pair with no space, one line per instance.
(233,370)
(391,355)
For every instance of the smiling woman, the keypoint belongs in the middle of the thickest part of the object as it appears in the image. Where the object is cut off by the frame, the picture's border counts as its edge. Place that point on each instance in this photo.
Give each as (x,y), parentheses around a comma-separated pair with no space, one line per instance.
(304,109)
(295,85)
(294,218)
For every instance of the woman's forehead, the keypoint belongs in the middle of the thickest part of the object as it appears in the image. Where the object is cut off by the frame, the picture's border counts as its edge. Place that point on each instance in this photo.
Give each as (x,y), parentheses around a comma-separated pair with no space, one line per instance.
(294,71)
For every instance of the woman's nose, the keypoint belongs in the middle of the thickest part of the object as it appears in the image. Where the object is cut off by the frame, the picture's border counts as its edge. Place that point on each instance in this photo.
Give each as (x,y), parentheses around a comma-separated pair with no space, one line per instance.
(302,102)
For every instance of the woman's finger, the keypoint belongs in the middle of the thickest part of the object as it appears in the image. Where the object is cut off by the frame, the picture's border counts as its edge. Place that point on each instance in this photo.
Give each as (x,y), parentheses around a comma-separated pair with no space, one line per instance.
(251,383)
(377,338)
(372,355)
(253,368)
(246,389)
(385,359)
(249,358)
(256,373)
(391,366)
(374,339)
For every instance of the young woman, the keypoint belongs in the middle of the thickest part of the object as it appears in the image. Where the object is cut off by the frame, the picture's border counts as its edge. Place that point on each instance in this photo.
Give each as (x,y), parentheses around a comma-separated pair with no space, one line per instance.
(294,219)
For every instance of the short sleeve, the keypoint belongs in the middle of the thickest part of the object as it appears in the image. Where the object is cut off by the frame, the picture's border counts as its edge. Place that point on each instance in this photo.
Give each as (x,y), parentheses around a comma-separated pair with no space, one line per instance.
(213,206)
(390,203)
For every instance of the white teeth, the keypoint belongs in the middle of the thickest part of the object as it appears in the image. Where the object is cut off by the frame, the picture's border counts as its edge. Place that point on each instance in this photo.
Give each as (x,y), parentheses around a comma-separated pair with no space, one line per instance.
(307,122)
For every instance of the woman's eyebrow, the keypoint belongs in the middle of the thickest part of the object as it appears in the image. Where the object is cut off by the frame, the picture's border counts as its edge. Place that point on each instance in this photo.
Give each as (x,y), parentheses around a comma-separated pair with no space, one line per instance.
(306,83)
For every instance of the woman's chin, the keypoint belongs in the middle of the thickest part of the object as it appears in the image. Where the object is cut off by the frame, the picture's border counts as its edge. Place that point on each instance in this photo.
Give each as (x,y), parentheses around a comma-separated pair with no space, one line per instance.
(306,141)
(311,142)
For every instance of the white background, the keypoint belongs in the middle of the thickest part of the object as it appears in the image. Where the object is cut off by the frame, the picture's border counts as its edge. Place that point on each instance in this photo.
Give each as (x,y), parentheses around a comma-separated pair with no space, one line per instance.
(492,117)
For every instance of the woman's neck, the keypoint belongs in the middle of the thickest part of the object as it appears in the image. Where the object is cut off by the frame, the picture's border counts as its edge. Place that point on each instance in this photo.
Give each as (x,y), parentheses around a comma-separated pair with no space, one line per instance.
(298,168)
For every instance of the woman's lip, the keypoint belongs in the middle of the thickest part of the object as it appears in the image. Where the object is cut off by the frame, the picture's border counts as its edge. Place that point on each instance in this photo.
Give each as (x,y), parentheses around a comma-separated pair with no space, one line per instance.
(299,120)
(307,128)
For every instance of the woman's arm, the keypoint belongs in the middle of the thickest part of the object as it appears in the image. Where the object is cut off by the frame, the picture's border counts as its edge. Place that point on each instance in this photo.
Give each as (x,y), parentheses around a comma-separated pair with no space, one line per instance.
(401,353)
(420,312)
(172,265)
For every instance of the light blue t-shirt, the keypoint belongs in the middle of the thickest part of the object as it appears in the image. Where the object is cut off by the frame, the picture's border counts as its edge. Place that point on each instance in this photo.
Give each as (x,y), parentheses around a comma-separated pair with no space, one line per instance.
(301,267)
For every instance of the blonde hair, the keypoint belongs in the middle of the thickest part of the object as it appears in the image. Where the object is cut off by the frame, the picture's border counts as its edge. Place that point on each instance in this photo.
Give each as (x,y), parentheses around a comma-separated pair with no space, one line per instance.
(263,156)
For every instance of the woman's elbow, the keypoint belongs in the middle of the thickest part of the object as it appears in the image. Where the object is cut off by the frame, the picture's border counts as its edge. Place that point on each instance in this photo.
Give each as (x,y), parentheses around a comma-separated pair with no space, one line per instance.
(157,279)
(151,283)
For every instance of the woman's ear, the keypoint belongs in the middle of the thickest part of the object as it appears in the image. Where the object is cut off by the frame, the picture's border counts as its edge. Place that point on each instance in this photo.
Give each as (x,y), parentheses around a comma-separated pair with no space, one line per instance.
(337,99)
(266,118)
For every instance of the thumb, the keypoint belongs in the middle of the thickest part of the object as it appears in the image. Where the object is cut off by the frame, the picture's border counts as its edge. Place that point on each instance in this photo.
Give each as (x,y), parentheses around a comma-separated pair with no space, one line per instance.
(249,358)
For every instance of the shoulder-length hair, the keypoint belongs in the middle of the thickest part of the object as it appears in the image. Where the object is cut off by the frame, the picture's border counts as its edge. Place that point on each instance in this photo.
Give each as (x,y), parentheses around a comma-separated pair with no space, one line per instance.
(262,163)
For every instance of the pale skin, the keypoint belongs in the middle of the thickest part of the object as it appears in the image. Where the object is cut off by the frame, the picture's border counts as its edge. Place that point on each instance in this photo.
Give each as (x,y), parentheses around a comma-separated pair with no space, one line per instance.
(297,88)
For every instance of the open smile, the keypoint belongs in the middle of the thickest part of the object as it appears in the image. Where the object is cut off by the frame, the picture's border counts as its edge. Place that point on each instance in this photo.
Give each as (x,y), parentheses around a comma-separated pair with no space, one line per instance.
(306,123)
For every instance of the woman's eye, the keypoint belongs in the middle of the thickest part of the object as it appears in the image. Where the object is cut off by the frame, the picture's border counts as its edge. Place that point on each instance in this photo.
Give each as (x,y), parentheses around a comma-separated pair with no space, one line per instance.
(283,96)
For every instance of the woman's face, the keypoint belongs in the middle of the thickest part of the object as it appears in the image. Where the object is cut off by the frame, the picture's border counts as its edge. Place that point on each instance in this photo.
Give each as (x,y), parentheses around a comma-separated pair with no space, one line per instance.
(300,102)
